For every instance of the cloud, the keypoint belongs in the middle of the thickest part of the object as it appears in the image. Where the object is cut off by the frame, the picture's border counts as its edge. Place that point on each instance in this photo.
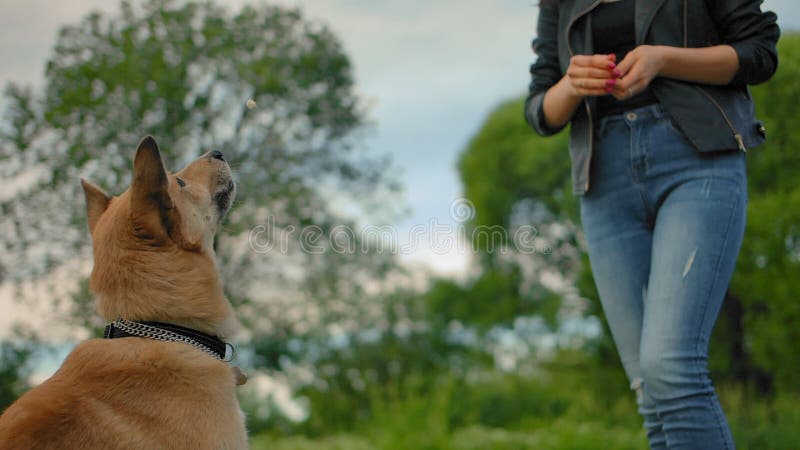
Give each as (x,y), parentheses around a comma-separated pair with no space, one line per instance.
(788,13)
(28,30)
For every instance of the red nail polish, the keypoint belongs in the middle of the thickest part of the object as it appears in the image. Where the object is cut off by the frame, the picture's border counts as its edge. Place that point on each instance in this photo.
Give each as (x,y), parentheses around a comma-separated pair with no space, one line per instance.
(609,89)
(617,73)
(611,65)
(612,57)
(611,83)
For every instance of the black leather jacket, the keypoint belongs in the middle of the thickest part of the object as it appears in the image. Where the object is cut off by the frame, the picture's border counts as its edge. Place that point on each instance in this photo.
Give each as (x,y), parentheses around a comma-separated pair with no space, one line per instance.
(712,117)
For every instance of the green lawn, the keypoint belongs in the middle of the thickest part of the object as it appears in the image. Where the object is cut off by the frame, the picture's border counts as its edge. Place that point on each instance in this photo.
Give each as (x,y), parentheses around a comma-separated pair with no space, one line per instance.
(584,423)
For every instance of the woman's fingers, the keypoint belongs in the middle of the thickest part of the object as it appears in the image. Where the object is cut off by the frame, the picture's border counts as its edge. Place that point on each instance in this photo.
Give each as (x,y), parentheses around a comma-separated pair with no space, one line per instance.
(627,63)
(591,72)
(592,92)
(633,83)
(629,86)
(597,61)
(593,83)
(593,86)
(639,67)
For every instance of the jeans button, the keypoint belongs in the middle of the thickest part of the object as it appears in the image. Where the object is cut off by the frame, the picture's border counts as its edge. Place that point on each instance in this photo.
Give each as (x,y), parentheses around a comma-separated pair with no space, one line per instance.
(631,116)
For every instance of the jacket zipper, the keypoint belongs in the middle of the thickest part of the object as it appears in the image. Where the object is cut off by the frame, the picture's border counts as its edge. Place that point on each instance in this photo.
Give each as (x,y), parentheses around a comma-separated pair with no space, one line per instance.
(585,101)
(736,135)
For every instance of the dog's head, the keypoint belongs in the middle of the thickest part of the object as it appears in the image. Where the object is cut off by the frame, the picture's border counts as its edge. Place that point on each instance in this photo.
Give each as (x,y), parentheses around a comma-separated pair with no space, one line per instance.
(153,245)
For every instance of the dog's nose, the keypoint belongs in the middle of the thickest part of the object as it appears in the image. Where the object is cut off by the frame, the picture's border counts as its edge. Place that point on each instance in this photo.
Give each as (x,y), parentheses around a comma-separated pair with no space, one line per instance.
(216,154)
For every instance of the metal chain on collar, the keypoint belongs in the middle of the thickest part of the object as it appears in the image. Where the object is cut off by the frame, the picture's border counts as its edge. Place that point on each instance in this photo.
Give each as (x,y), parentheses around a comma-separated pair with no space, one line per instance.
(158,334)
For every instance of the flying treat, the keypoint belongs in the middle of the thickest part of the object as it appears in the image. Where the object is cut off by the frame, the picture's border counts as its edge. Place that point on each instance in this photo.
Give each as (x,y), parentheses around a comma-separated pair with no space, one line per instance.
(250,103)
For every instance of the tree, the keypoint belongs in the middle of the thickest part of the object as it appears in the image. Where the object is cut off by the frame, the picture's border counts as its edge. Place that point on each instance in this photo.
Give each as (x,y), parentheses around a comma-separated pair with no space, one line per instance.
(14,371)
(515,178)
(765,281)
(182,72)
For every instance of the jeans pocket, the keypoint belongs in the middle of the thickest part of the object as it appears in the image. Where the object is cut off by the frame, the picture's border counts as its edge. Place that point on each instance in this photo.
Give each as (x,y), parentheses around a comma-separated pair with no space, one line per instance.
(664,136)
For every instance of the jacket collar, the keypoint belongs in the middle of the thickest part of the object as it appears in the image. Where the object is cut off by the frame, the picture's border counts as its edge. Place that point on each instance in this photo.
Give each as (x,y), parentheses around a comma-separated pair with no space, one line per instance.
(581,7)
(645,11)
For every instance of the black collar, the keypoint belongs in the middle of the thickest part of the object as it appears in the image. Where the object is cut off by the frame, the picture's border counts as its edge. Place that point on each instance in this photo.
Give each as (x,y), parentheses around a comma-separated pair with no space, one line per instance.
(161,331)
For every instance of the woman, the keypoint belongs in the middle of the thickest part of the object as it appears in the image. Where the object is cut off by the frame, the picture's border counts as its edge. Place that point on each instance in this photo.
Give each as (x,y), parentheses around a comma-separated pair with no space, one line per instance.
(661,116)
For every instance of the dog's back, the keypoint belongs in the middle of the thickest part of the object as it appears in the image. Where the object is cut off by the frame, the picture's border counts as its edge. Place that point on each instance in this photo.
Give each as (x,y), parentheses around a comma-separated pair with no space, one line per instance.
(129,394)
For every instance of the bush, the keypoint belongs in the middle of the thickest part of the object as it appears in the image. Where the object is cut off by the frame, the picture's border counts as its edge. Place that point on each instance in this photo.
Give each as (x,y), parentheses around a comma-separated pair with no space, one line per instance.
(337,442)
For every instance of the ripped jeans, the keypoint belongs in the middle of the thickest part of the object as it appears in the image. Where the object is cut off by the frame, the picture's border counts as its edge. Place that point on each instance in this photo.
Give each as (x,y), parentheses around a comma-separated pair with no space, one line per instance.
(664,224)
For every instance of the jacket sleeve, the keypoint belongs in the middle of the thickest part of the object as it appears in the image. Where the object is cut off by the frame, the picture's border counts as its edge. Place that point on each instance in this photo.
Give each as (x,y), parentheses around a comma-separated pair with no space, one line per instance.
(753,34)
(546,71)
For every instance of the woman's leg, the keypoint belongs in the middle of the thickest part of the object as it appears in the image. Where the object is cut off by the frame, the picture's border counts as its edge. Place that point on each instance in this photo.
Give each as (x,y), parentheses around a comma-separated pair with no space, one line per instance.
(700,202)
(696,240)
(620,265)
(618,229)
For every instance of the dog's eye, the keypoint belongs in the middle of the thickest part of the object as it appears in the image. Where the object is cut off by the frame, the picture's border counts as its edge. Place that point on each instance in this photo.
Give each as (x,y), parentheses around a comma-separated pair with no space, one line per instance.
(181,183)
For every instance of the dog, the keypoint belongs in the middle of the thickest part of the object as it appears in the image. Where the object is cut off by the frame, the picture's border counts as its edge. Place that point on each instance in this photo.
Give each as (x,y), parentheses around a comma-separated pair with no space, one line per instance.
(158,380)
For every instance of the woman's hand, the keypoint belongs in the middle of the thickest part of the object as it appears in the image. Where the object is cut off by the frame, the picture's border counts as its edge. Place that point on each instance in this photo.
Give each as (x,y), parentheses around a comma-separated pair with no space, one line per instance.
(638,69)
(586,75)
(592,75)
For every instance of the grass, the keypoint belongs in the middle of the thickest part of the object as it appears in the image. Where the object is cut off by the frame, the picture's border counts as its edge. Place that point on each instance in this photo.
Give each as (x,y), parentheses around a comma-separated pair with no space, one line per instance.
(510,412)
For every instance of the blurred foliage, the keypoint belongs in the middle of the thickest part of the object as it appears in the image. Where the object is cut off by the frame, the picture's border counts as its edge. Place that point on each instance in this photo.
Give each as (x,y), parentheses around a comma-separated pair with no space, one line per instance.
(401,356)
(765,281)
(14,370)
(182,72)
(513,177)
(505,163)
(493,298)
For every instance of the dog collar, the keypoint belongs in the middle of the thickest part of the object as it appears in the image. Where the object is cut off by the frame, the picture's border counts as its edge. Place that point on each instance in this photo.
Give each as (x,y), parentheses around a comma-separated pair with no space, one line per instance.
(168,332)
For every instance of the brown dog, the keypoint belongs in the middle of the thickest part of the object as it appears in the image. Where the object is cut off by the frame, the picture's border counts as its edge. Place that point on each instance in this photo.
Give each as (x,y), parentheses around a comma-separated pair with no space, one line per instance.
(153,261)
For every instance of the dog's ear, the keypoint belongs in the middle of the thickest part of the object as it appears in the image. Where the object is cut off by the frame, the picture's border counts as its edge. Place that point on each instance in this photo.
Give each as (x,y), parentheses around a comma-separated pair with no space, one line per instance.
(96,202)
(150,199)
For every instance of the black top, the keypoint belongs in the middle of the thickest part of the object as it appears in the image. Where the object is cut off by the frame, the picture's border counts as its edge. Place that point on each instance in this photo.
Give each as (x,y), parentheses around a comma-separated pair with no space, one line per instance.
(613,32)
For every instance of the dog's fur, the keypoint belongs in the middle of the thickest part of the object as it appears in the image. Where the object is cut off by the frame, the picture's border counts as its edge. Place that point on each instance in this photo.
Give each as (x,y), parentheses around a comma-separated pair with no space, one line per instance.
(153,260)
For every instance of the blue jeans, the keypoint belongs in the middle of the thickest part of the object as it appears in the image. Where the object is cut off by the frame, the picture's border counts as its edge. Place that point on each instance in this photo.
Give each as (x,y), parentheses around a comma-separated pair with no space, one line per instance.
(664,224)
